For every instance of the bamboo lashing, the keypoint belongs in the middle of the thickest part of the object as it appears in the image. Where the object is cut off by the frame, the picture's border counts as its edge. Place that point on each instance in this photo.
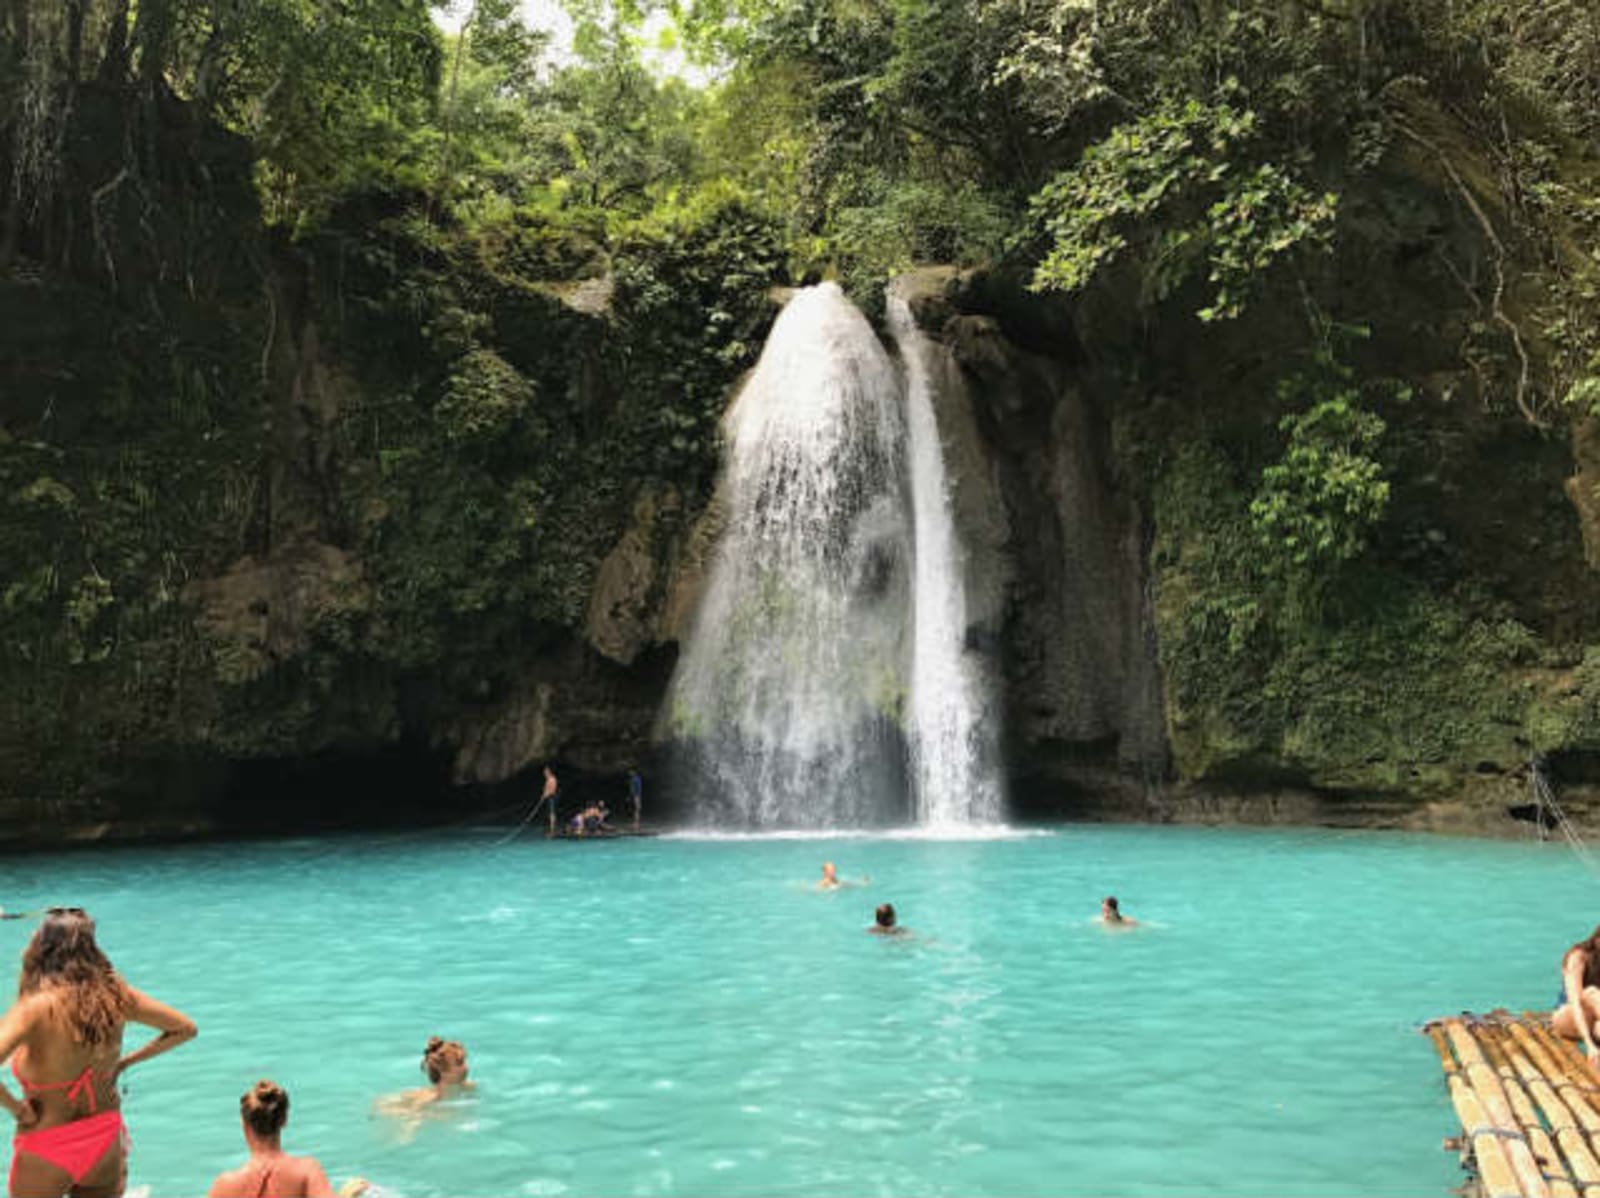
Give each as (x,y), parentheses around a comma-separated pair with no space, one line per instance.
(1494,1103)
(1545,1152)
(1528,1103)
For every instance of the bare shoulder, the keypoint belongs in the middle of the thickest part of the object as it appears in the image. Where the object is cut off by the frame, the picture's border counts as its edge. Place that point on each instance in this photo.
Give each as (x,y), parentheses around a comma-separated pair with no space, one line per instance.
(231,1182)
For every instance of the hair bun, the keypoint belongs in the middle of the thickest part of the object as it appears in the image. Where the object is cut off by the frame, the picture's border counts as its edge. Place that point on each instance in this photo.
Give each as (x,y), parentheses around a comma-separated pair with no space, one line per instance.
(435,1043)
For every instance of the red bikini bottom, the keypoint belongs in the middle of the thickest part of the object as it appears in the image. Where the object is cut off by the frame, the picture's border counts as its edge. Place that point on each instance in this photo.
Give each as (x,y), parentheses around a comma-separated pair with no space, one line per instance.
(75,1148)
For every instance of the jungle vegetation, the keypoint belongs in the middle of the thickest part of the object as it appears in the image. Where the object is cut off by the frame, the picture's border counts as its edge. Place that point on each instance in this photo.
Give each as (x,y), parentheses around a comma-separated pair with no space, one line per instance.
(307,277)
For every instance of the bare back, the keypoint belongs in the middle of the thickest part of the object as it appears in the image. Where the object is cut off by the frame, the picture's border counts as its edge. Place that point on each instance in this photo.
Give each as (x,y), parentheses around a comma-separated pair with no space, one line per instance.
(52,1063)
(276,1176)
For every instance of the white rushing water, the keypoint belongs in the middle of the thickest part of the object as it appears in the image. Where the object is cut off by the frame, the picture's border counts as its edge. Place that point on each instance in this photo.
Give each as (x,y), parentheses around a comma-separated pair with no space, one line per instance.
(789,691)
(825,684)
(953,753)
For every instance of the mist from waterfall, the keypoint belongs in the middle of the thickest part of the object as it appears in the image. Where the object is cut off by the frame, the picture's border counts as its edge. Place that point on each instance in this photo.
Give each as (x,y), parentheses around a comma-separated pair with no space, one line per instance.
(824,684)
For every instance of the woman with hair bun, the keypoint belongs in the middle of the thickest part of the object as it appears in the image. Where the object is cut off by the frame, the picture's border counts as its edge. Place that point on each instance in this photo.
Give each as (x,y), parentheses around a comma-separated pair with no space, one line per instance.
(445,1063)
(270,1172)
(64,1038)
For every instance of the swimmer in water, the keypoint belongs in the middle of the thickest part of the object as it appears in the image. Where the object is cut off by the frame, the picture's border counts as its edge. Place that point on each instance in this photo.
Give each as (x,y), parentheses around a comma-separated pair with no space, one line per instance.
(884,922)
(263,1110)
(445,1063)
(1111,915)
(830,877)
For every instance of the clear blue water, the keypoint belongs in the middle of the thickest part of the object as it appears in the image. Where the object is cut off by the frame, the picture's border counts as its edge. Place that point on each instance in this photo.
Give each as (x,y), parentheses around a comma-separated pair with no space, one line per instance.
(689,1017)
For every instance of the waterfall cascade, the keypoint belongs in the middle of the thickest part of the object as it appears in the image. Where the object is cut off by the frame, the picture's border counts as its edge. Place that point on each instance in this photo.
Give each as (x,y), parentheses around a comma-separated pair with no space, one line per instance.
(952,744)
(826,683)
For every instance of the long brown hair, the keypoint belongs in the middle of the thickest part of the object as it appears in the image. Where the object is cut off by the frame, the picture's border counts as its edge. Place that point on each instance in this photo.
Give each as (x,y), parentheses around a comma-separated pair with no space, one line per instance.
(63,955)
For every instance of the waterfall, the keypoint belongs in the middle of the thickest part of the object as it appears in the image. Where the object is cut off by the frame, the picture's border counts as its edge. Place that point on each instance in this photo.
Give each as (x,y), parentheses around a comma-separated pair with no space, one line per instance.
(825,682)
(789,691)
(952,744)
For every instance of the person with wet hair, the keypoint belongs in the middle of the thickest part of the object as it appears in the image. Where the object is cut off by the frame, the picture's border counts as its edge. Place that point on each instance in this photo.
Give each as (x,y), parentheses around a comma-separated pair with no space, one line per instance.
(64,1038)
(884,922)
(270,1172)
(445,1063)
(1111,915)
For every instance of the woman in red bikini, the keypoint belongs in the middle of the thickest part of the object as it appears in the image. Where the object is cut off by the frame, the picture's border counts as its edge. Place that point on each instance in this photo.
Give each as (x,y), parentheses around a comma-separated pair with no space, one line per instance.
(270,1170)
(64,1038)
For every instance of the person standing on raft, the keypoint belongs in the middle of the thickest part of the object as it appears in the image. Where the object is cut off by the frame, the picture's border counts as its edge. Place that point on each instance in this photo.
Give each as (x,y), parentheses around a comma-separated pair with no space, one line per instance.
(64,1038)
(1579,1010)
(551,795)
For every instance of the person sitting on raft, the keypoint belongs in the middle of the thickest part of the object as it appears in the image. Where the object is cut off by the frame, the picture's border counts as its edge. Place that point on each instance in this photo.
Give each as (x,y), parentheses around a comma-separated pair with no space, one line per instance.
(1111,915)
(591,821)
(445,1063)
(64,1038)
(884,922)
(1577,1014)
(263,1110)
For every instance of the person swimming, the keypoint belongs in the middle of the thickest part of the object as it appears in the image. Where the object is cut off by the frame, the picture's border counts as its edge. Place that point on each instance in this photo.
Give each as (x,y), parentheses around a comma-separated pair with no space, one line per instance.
(885,922)
(1578,1016)
(1111,914)
(445,1063)
(263,1110)
(830,877)
(64,1038)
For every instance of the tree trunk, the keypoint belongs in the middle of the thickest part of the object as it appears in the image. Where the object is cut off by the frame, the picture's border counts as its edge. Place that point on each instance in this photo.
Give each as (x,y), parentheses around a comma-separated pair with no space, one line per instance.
(75,16)
(114,59)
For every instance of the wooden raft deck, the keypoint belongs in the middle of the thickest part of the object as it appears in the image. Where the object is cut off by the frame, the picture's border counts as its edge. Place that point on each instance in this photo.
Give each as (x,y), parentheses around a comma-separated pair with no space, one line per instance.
(1529,1105)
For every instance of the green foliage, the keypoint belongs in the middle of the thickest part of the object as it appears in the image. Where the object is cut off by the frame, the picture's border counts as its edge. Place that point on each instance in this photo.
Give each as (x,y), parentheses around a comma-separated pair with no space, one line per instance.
(1317,507)
(913,223)
(1392,696)
(483,399)
(1175,190)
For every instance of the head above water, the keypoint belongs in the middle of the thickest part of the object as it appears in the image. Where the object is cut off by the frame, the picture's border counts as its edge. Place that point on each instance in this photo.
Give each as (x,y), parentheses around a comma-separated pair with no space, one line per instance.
(445,1061)
(1109,908)
(885,915)
(829,874)
(63,956)
(265,1108)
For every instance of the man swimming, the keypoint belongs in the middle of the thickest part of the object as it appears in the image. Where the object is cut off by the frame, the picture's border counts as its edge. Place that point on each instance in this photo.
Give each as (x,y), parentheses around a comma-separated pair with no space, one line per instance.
(1111,915)
(830,877)
(884,922)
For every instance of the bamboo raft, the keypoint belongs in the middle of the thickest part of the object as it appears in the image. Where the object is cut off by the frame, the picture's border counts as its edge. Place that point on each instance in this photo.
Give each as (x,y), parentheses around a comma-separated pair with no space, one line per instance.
(1529,1106)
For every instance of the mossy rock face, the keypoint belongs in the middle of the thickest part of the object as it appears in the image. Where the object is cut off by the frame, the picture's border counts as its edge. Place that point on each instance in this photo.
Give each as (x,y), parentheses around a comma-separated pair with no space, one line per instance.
(265,500)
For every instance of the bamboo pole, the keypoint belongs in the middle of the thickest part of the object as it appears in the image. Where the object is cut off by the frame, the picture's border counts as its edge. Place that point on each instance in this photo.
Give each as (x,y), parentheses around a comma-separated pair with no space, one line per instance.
(1497,1103)
(1488,1151)
(1497,1046)
(1484,1079)
(1441,1046)
(1572,1078)
(1570,1115)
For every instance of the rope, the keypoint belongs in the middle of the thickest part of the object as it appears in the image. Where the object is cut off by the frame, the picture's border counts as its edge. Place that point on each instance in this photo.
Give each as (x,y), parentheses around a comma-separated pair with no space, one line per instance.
(1504,1133)
(526,820)
(1545,798)
(383,842)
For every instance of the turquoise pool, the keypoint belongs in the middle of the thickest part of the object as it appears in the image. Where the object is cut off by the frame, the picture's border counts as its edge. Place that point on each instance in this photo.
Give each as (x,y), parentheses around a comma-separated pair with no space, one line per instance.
(685,1016)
